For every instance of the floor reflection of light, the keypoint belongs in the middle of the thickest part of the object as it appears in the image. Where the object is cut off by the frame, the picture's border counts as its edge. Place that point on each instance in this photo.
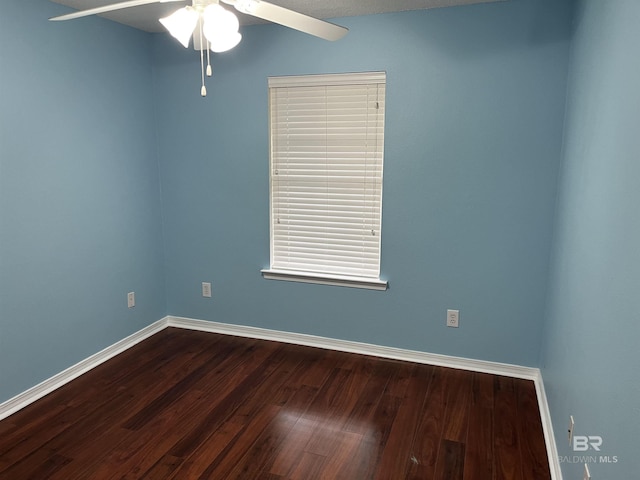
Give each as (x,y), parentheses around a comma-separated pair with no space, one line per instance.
(318,433)
(317,423)
(323,446)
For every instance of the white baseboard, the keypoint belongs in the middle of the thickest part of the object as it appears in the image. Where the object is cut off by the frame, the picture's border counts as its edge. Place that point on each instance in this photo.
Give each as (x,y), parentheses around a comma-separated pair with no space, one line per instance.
(29,396)
(494,368)
(547,428)
(58,380)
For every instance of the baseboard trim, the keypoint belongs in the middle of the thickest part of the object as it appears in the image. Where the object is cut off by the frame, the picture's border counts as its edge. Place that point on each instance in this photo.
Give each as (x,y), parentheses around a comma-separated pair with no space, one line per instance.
(528,373)
(547,428)
(58,380)
(494,368)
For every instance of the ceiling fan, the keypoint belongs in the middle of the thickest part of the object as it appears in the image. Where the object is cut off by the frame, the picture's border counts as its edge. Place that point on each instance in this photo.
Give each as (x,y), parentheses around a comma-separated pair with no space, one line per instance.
(215,28)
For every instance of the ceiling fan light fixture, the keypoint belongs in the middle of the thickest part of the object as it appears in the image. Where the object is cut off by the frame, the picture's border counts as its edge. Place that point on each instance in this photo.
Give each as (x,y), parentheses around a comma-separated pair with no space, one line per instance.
(222,43)
(181,24)
(220,28)
(220,19)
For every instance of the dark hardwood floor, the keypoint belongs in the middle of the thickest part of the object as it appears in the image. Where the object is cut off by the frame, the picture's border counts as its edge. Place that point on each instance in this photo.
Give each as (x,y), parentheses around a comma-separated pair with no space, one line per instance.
(192,405)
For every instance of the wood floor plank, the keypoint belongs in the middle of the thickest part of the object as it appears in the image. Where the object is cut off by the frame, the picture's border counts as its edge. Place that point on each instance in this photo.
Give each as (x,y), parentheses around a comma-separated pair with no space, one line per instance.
(479,446)
(347,445)
(532,451)
(231,401)
(450,463)
(287,455)
(359,424)
(310,466)
(43,463)
(226,466)
(506,445)
(170,395)
(90,434)
(450,457)
(191,465)
(83,395)
(427,437)
(73,428)
(256,460)
(456,419)
(118,413)
(396,459)
(191,408)
(294,398)
(359,418)
(132,457)
(328,411)
(375,437)
(186,405)
(242,406)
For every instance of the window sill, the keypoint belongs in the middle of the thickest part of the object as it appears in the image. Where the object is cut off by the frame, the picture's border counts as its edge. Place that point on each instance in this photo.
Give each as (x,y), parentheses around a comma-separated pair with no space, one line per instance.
(325,279)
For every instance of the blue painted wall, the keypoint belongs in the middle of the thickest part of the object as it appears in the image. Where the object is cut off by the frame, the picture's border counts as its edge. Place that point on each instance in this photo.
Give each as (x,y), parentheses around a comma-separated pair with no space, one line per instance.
(475,105)
(475,112)
(80,220)
(590,358)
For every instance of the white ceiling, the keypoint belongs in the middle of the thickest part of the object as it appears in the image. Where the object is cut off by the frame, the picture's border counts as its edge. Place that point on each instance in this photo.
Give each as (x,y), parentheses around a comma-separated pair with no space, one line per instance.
(146,17)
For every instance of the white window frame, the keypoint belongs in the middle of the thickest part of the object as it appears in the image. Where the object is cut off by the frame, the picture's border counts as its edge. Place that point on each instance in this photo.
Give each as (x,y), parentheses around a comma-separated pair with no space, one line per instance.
(357,267)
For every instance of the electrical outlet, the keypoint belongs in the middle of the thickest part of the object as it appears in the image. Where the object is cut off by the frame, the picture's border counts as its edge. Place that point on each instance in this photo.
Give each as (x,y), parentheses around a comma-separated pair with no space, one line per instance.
(571,424)
(131,299)
(452,318)
(206,289)
(587,474)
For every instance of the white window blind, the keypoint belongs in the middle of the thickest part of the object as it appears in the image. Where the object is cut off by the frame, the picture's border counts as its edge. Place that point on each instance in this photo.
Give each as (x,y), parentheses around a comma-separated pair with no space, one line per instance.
(327,142)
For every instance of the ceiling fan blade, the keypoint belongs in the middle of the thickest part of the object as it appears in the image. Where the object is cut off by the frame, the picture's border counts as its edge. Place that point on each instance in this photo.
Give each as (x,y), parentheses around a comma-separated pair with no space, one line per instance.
(289,18)
(109,8)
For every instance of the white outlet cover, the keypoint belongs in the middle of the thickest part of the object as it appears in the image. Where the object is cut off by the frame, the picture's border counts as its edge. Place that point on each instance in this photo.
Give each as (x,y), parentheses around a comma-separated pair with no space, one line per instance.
(131,299)
(206,289)
(452,318)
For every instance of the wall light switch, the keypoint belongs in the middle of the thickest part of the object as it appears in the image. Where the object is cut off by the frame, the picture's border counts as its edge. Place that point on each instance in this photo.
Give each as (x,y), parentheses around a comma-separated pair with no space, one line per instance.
(206,289)
(452,318)
(131,299)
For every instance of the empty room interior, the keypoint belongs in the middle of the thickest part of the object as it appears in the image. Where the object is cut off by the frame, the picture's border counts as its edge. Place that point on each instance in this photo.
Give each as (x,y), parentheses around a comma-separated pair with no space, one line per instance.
(166,312)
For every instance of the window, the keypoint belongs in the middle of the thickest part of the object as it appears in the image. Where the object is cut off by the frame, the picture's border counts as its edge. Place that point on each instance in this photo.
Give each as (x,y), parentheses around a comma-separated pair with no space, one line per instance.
(326,157)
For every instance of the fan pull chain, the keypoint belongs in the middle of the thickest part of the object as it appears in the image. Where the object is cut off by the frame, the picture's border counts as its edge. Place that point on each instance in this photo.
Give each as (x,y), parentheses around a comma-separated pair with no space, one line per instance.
(203,90)
(209,70)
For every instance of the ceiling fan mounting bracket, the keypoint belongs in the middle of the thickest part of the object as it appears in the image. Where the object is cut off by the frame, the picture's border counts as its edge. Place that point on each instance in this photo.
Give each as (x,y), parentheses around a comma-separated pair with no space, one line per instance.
(201,4)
